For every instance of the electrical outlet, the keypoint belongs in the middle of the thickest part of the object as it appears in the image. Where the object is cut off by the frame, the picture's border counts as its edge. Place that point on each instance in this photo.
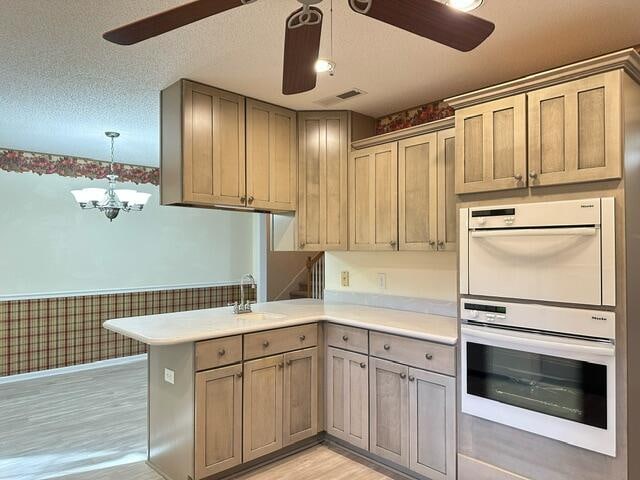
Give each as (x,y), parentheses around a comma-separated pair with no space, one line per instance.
(382,281)
(344,278)
(169,376)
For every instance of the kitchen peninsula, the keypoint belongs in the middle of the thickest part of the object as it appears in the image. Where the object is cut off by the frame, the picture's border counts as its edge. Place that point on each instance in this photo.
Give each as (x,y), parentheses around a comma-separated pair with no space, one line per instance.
(230,391)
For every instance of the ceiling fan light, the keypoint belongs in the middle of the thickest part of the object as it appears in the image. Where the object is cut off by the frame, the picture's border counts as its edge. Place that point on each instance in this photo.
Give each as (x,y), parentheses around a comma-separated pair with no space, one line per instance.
(126,195)
(323,66)
(464,5)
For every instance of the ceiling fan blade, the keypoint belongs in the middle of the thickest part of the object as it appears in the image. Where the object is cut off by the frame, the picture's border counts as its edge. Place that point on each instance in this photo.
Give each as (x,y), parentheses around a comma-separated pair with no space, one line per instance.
(169,20)
(301,50)
(430,19)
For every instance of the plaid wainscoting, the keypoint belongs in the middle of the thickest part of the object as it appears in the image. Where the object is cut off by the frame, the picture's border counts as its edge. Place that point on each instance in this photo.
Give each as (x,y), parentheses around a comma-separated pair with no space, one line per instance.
(46,333)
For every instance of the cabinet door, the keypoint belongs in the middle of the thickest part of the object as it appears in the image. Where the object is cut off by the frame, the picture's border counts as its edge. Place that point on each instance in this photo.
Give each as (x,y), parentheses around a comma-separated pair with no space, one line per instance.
(300,407)
(389,407)
(491,150)
(373,198)
(575,132)
(271,157)
(322,183)
(418,193)
(432,420)
(262,430)
(213,146)
(347,402)
(447,208)
(218,420)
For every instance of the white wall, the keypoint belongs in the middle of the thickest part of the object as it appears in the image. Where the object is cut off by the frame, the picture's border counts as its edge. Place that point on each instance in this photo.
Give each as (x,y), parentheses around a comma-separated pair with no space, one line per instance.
(49,245)
(411,274)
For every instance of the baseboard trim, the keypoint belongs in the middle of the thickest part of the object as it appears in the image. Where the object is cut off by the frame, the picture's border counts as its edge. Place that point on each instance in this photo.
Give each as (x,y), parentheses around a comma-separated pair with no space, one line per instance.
(111,362)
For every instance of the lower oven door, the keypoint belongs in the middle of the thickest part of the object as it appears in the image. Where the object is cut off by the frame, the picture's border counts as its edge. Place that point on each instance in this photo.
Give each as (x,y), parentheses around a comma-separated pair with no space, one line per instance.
(561,388)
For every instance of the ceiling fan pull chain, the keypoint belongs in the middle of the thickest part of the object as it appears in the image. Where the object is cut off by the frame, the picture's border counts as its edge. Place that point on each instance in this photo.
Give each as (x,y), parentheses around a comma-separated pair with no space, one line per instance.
(305,16)
(355,4)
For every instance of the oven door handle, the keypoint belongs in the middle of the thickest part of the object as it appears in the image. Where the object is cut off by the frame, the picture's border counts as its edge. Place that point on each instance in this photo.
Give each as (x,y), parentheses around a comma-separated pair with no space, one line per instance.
(536,232)
(525,339)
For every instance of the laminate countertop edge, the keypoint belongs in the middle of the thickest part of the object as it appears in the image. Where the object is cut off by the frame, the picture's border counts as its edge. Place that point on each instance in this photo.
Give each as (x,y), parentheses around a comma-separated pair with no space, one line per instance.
(197,325)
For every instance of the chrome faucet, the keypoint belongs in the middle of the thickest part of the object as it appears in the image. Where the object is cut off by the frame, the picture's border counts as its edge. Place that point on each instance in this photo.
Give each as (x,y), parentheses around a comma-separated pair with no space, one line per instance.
(244,306)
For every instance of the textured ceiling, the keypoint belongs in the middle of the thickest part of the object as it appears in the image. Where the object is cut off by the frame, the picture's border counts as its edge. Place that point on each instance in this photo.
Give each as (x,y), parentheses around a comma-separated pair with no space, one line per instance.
(61,85)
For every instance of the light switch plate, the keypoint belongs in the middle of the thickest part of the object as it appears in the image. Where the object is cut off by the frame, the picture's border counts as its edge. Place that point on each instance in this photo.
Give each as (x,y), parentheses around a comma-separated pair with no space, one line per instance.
(382,281)
(344,278)
(169,376)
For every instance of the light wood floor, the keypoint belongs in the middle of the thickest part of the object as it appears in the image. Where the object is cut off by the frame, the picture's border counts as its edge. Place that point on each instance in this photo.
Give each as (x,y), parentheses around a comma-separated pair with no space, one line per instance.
(91,425)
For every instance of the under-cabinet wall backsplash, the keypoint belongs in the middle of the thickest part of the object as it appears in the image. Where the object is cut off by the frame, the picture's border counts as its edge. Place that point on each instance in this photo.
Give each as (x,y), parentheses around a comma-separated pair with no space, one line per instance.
(45,333)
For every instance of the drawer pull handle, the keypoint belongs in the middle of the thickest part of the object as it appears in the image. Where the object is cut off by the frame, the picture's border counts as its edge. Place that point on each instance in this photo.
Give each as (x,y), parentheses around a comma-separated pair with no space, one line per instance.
(363,365)
(387,346)
(288,362)
(403,376)
(239,374)
(303,338)
(221,352)
(428,356)
(411,378)
(345,338)
(265,344)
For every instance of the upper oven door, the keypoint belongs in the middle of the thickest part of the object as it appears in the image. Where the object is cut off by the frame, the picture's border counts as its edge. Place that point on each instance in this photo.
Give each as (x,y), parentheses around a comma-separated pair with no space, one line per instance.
(552,251)
(557,387)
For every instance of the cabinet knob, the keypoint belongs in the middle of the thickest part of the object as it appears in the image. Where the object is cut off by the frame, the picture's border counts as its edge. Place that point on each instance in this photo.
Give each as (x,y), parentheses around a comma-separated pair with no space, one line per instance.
(265,344)
(281,365)
(411,378)
(302,245)
(403,376)
(432,244)
(533,174)
(250,199)
(288,362)
(243,199)
(222,351)
(518,178)
(363,365)
(387,346)
(303,338)
(345,338)
(428,356)
(440,244)
(392,243)
(239,374)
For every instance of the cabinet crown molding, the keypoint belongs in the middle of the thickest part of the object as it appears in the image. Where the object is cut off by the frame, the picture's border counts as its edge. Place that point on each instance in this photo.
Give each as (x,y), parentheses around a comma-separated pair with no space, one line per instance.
(409,132)
(627,60)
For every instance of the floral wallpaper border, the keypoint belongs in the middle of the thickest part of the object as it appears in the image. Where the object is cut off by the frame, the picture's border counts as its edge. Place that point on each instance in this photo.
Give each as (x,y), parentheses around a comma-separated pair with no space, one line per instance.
(413,116)
(46,164)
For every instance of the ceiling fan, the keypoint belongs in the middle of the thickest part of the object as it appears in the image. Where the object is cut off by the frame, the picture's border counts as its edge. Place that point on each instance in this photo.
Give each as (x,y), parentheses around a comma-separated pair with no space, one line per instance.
(428,18)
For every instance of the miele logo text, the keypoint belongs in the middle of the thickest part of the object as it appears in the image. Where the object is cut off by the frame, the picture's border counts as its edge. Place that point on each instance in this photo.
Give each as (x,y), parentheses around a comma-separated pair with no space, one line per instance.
(587,206)
(602,319)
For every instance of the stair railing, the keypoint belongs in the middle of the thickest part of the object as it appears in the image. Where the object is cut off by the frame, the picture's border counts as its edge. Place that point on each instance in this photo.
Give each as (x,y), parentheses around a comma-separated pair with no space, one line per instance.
(315,276)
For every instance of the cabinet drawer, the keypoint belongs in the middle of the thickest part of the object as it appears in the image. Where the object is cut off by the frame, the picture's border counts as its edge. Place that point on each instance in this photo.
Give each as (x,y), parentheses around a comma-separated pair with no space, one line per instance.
(272,342)
(416,353)
(218,352)
(349,338)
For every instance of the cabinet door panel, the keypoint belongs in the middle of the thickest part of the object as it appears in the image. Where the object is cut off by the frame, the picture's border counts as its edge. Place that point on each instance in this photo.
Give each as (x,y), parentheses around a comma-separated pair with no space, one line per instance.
(432,407)
(213,146)
(334,218)
(417,193)
(300,395)
(262,431)
(373,194)
(389,404)
(491,149)
(218,420)
(447,209)
(575,131)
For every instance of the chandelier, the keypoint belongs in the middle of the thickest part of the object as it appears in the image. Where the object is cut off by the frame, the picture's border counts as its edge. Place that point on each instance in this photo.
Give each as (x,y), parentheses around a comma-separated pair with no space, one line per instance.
(111,201)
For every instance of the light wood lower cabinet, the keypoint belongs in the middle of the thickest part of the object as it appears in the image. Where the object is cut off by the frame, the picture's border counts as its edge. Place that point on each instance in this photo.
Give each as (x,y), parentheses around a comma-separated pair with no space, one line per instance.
(347,397)
(218,420)
(262,431)
(300,406)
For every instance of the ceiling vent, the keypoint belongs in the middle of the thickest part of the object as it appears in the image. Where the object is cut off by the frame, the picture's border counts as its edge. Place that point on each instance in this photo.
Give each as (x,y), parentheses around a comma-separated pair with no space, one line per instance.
(335,99)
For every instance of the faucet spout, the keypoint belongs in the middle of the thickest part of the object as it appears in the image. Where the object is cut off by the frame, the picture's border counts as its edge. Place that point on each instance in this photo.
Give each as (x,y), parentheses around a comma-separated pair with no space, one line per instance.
(245,306)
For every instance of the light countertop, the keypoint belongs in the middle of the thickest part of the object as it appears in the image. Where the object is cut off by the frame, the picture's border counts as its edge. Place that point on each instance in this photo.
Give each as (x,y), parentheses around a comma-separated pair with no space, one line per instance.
(195,325)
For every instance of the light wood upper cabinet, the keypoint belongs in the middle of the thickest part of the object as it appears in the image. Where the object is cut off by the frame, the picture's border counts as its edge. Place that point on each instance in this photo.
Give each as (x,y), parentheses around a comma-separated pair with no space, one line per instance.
(203,146)
(347,397)
(322,182)
(373,198)
(491,146)
(218,420)
(447,212)
(271,157)
(575,132)
(300,406)
(263,396)
(432,421)
(389,409)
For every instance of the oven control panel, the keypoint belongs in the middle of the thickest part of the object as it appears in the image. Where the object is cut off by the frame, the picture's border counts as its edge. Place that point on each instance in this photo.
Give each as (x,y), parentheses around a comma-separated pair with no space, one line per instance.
(570,321)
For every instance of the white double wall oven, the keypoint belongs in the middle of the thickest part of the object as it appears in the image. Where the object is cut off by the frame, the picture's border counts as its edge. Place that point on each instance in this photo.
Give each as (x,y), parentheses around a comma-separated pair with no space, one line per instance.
(537,285)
